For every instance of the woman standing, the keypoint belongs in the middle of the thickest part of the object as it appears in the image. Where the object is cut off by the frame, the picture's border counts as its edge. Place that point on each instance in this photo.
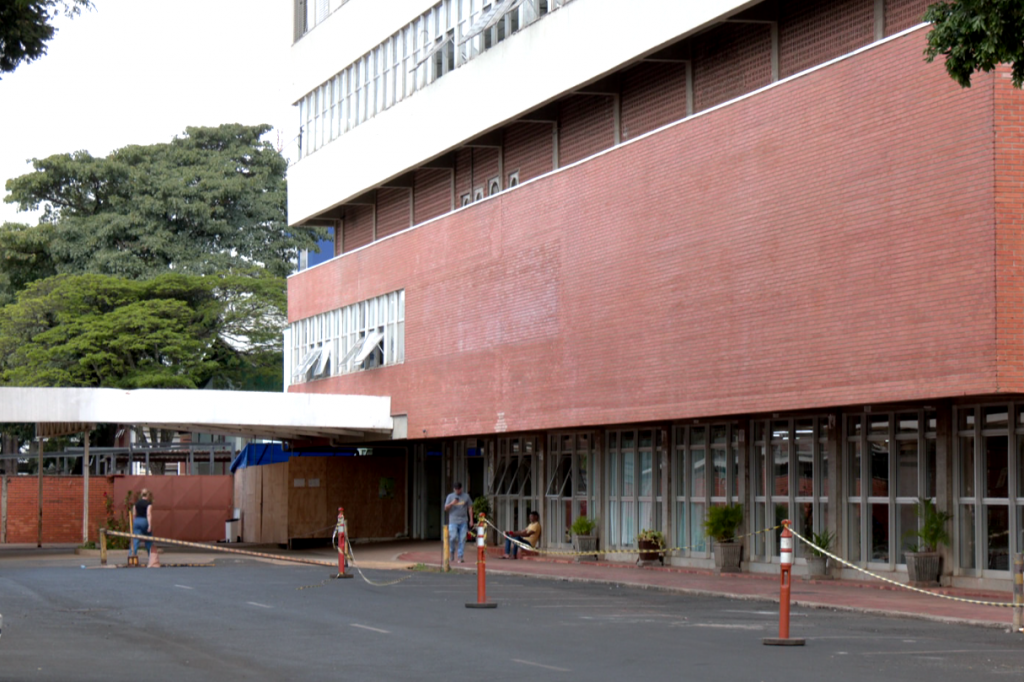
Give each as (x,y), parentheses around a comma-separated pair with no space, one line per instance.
(143,524)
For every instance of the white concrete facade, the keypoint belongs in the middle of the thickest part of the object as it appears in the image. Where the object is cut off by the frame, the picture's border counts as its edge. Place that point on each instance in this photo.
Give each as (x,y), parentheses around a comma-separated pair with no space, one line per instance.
(248,413)
(526,70)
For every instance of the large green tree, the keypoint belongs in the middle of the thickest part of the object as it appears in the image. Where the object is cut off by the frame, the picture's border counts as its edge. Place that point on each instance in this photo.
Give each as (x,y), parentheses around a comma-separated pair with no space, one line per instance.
(26,26)
(977,35)
(174,330)
(210,201)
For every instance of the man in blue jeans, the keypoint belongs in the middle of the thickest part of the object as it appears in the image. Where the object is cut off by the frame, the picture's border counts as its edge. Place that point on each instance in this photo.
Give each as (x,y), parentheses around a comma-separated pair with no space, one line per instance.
(458,506)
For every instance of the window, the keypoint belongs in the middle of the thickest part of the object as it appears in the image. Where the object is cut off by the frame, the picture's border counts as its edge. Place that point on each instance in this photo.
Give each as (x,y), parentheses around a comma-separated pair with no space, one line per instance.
(360,336)
(515,495)
(478,194)
(890,459)
(706,470)
(465,200)
(493,186)
(569,458)
(513,179)
(634,484)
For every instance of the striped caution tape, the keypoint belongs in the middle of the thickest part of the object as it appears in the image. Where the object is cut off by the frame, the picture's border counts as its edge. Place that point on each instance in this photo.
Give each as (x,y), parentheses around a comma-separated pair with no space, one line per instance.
(669,550)
(219,548)
(894,582)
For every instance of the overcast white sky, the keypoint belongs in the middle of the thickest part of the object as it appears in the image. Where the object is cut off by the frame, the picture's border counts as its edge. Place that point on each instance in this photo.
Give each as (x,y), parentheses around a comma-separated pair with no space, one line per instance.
(134,72)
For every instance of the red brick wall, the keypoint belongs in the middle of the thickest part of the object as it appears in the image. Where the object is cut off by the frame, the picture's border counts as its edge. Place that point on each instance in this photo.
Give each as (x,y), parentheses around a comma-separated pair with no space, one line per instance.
(812,31)
(528,149)
(358,229)
(464,180)
(62,508)
(586,126)
(653,94)
(901,14)
(392,210)
(485,167)
(1009,209)
(826,242)
(729,61)
(433,193)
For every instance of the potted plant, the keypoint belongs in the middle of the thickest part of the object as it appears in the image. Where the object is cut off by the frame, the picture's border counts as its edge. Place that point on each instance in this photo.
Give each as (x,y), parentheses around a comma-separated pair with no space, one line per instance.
(923,559)
(481,504)
(584,538)
(817,561)
(649,542)
(720,525)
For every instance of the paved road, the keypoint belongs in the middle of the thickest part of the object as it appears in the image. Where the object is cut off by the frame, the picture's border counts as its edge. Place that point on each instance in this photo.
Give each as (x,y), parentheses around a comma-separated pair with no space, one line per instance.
(244,620)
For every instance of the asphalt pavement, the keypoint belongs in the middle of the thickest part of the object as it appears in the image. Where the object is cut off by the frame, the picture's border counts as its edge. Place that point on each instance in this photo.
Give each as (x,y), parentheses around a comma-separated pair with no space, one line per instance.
(241,619)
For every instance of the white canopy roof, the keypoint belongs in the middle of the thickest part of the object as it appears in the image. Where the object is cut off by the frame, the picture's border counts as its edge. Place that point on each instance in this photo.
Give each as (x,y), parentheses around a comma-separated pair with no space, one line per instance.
(279,416)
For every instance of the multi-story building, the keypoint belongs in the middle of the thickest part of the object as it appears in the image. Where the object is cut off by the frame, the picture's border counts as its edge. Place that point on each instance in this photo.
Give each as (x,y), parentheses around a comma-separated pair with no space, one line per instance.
(632,259)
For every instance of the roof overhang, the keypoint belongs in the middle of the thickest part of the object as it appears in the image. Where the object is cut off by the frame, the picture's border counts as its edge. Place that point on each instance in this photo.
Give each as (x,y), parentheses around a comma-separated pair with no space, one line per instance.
(277,416)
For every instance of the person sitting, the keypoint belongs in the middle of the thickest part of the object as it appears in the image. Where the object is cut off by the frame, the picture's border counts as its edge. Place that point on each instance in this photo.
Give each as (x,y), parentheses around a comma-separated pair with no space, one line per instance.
(531,534)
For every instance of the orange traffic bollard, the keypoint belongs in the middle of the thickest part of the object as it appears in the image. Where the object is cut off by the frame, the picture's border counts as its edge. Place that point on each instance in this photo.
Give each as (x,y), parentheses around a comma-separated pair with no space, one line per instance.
(786,579)
(481,570)
(341,535)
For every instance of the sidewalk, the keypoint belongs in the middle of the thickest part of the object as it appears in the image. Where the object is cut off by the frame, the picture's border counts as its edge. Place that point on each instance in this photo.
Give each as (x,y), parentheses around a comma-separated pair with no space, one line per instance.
(872,597)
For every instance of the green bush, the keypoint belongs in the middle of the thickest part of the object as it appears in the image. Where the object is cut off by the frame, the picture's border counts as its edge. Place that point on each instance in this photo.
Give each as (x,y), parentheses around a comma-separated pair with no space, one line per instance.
(932,532)
(583,526)
(722,521)
(481,505)
(824,540)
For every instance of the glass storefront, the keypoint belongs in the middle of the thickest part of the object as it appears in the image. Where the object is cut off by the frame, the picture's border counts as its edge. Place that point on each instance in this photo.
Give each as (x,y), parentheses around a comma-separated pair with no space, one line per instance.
(706,470)
(569,489)
(634,484)
(891,465)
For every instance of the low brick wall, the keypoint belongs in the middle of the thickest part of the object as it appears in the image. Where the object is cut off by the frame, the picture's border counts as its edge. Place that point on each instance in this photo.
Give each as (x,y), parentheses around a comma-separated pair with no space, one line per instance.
(62,507)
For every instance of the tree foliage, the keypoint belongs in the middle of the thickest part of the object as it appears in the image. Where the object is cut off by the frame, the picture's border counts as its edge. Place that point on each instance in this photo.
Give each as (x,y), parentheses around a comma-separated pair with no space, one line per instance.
(977,35)
(175,330)
(211,201)
(26,26)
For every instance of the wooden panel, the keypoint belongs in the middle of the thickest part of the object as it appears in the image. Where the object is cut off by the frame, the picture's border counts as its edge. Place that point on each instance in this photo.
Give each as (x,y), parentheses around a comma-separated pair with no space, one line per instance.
(274,521)
(248,499)
(355,483)
(307,511)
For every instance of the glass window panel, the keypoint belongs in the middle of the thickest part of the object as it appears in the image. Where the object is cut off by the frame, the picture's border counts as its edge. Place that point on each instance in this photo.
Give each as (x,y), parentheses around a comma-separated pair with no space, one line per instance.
(965,419)
(614,473)
(628,537)
(930,463)
(853,545)
(967,466)
(997,471)
(997,523)
(718,435)
(907,423)
(824,470)
(697,538)
(879,469)
(582,470)
(628,439)
(780,430)
(760,470)
(907,521)
(780,469)
(931,420)
(735,470)
(697,436)
(878,424)
(646,472)
(995,417)
(879,529)
(647,520)
(698,489)
(680,524)
(853,426)
(906,477)
(759,521)
(628,473)
(805,461)
(719,464)
(645,439)
(758,432)
(967,536)
(804,524)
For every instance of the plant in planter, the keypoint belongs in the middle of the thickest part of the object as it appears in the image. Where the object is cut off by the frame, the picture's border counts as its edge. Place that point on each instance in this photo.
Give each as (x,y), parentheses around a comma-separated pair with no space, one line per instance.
(923,559)
(649,542)
(480,504)
(720,525)
(816,562)
(584,538)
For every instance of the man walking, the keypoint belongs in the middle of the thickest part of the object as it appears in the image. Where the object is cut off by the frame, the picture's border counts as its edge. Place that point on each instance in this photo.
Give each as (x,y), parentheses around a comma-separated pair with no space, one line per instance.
(458,506)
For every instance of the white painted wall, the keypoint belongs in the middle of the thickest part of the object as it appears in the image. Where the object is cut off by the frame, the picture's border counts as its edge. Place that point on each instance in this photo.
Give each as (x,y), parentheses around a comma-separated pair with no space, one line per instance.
(345,36)
(572,46)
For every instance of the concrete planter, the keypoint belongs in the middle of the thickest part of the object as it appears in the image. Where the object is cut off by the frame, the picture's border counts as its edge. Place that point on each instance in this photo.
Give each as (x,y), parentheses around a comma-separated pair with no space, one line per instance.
(923,569)
(728,556)
(588,544)
(817,567)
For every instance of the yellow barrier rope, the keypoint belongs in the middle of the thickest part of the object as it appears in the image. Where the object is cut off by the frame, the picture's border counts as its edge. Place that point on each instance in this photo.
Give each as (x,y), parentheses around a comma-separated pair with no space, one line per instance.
(669,550)
(895,582)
